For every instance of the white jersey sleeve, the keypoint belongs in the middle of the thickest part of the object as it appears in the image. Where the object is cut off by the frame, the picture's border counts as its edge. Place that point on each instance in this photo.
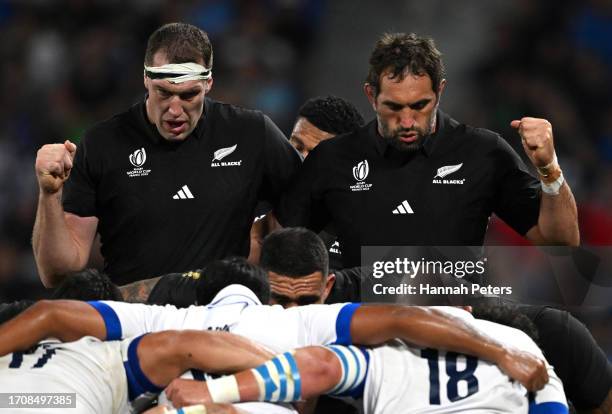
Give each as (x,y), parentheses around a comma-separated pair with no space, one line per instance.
(123,320)
(326,324)
(551,399)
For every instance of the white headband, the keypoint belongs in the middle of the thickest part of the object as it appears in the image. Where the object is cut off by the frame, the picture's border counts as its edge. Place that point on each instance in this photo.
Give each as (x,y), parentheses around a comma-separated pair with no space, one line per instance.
(178,72)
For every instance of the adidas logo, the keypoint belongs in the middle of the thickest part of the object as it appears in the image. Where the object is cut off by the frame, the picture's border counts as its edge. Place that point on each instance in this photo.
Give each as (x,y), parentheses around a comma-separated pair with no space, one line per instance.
(403,208)
(183,193)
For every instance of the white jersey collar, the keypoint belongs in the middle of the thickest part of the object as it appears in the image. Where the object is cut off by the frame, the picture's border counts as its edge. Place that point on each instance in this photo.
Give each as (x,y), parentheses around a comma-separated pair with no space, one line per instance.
(235,294)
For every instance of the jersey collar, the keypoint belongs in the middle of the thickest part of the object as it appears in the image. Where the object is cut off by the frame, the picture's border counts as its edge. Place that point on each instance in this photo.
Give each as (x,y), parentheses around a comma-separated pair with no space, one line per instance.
(442,127)
(235,294)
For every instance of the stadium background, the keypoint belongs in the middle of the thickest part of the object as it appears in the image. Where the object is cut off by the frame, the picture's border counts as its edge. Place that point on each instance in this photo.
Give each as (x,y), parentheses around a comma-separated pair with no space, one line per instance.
(67,64)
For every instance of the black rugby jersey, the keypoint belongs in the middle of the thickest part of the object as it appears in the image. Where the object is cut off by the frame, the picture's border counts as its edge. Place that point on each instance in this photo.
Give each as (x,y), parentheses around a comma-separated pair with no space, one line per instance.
(570,348)
(441,195)
(173,206)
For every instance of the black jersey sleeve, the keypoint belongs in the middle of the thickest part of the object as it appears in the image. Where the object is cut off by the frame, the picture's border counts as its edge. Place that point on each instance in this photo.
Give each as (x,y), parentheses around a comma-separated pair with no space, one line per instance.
(517,201)
(347,287)
(571,349)
(79,192)
(302,204)
(178,289)
(281,162)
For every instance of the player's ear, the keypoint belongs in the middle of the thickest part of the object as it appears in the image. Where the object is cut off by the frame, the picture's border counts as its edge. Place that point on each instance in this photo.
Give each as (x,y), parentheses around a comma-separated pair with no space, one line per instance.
(370,92)
(208,83)
(329,283)
(441,88)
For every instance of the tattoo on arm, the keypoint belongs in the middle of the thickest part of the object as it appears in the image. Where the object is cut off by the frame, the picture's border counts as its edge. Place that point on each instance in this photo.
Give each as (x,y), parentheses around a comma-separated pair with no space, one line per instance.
(138,292)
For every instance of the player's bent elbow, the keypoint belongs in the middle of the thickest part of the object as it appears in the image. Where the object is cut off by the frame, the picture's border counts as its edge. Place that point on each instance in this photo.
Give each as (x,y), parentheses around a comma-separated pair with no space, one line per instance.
(318,366)
(42,317)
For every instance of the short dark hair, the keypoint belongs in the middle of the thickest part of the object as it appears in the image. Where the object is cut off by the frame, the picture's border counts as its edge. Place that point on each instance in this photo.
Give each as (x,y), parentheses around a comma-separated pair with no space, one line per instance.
(403,54)
(234,270)
(294,252)
(506,315)
(331,114)
(88,284)
(182,43)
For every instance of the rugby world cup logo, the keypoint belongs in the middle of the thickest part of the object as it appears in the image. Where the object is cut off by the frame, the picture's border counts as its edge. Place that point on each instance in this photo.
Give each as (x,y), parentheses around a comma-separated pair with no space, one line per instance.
(138,157)
(361,170)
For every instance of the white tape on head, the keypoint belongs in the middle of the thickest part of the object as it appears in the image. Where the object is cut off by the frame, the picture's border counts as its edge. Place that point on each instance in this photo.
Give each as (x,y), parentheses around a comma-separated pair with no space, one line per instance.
(178,72)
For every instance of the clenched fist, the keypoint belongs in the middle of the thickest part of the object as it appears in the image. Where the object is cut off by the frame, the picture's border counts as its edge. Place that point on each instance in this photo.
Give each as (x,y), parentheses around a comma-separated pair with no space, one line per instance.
(53,165)
(537,138)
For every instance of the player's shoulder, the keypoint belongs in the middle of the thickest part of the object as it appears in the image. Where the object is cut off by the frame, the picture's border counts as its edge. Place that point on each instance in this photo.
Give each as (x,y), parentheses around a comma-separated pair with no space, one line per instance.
(232,113)
(343,145)
(130,121)
(476,135)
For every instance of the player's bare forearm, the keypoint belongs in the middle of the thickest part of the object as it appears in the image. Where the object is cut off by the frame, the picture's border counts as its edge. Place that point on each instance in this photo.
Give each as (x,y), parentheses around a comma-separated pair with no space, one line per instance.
(318,371)
(61,242)
(259,230)
(50,230)
(558,219)
(166,355)
(428,327)
(66,320)
(138,292)
(422,326)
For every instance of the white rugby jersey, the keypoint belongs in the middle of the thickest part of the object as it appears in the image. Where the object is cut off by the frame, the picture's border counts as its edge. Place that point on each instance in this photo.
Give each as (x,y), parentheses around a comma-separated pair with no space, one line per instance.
(90,368)
(235,309)
(105,377)
(404,378)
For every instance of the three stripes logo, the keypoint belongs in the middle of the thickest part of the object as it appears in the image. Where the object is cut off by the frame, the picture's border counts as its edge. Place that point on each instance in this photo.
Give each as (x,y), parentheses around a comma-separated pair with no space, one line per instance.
(403,208)
(183,194)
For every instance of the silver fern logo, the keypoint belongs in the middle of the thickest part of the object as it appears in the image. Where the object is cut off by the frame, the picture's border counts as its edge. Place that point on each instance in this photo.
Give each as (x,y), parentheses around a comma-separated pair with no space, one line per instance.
(446,171)
(138,157)
(223,152)
(361,170)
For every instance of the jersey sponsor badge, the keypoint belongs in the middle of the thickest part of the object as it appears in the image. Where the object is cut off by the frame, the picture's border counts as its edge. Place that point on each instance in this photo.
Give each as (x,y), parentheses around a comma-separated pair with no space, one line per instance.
(360,173)
(137,159)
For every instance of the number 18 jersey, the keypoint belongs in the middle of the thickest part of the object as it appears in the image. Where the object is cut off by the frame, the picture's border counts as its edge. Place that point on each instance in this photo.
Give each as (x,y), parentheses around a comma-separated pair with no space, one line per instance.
(407,379)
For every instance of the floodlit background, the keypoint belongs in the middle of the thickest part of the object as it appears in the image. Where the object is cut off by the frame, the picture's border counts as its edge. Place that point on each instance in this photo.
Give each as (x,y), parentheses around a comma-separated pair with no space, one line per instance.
(67,64)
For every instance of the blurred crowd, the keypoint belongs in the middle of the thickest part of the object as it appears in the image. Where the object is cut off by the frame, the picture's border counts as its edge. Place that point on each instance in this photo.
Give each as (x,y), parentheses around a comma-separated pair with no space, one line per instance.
(67,64)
